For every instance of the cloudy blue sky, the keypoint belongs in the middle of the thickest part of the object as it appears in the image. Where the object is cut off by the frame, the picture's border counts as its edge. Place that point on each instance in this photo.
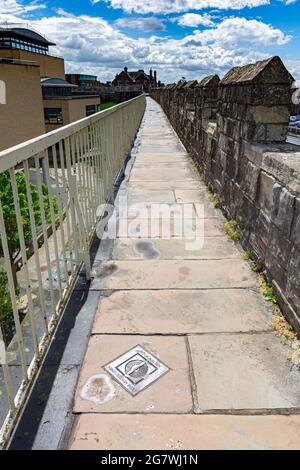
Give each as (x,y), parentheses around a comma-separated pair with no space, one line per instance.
(190,38)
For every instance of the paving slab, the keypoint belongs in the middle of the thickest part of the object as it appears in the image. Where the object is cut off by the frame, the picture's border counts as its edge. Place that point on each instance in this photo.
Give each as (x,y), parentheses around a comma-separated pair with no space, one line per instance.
(162,174)
(98,392)
(184,229)
(174,249)
(244,372)
(191,195)
(179,433)
(182,312)
(157,210)
(158,146)
(161,196)
(197,307)
(161,164)
(146,158)
(181,274)
(166,185)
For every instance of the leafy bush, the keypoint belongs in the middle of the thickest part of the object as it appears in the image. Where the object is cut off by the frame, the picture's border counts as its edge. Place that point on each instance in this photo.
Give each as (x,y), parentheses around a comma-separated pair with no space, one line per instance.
(6,312)
(9,214)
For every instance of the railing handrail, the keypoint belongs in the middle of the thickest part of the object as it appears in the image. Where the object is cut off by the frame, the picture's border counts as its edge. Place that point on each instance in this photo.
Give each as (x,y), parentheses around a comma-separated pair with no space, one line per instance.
(57,184)
(17,154)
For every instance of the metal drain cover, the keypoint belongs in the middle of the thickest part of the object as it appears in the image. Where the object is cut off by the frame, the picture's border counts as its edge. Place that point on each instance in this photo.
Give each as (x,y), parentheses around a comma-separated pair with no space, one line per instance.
(136,370)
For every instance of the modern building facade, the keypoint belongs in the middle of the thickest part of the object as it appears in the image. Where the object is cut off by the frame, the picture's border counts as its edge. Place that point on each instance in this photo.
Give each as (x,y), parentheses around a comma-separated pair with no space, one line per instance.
(83,80)
(21,112)
(38,97)
(26,45)
(62,104)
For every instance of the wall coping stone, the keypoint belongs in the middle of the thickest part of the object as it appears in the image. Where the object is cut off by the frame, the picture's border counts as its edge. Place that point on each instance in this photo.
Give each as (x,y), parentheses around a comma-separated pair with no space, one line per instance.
(269,71)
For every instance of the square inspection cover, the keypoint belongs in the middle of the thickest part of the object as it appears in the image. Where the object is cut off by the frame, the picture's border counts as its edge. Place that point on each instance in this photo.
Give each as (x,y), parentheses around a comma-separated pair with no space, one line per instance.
(136,370)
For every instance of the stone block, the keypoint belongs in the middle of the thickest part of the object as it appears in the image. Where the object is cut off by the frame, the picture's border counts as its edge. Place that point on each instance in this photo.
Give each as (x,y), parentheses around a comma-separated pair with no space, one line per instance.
(249,178)
(283,209)
(276,132)
(293,286)
(279,247)
(266,184)
(269,115)
(295,233)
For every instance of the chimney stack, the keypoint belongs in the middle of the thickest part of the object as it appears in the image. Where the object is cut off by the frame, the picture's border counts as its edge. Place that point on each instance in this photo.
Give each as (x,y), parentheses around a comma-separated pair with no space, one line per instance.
(125,69)
(155,77)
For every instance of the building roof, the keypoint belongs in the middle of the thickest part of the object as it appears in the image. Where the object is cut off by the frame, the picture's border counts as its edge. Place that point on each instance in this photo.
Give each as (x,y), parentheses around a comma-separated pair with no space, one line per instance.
(26,34)
(56,82)
(138,74)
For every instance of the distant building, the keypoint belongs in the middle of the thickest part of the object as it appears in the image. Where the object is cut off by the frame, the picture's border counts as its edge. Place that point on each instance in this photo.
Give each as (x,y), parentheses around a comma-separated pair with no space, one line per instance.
(136,78)
(22,116)
(24,44)
(62,105)
(38,97)
(88,82)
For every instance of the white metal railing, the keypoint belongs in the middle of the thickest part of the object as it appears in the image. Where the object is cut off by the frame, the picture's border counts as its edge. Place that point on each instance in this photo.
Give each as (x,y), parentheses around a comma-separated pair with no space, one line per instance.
(48,216)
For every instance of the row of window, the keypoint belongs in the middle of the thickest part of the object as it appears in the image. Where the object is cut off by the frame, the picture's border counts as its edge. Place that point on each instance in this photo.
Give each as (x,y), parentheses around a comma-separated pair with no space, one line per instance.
(91,78)
(56,92)
(12,43)
(54,115)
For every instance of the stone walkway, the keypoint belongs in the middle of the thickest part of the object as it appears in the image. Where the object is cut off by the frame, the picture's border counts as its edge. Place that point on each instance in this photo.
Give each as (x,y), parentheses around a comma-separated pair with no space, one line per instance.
(199,311)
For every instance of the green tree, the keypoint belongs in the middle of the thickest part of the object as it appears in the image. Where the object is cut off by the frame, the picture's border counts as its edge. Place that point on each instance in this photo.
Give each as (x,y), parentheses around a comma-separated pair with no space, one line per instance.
(6,312)
(9,213)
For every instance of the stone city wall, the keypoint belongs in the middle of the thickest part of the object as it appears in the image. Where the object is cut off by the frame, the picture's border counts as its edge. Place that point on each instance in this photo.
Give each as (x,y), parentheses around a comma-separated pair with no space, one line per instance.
(235,129)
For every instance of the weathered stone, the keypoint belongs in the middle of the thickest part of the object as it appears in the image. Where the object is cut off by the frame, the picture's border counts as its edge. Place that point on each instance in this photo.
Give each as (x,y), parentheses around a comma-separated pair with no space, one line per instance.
(182,312)
(249,179)
(106,396)
(295,235)
(178,433)
(266,185)
(279,248)
(251,157)
(133,275)
(276,132)
(293,287)
(283,209)
(261,381)
(269,115)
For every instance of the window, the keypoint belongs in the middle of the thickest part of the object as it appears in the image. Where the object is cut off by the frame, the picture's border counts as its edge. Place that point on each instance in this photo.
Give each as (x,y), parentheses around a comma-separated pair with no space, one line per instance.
(90,109)
(16,43)
(53,116)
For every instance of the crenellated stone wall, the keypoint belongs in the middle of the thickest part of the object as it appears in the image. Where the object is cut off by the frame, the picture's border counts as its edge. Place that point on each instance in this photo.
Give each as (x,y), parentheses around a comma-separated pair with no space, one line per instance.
(236,129)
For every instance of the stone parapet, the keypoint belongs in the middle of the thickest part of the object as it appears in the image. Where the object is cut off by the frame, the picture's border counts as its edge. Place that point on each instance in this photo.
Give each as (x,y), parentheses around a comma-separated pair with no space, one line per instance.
(236,129)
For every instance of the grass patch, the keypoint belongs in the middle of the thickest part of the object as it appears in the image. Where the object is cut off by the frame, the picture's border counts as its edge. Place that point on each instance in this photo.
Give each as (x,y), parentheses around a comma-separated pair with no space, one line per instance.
(287,334)
(192,162)
(231,228)
(267,290)
(107,105)
(248,256)
(214,199)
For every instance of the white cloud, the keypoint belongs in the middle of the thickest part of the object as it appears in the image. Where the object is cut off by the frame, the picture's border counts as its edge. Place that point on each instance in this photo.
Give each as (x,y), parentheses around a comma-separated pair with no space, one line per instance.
(175,6)
(233,31)
(144,24)
(93,45)
(14,7)
(193,20)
